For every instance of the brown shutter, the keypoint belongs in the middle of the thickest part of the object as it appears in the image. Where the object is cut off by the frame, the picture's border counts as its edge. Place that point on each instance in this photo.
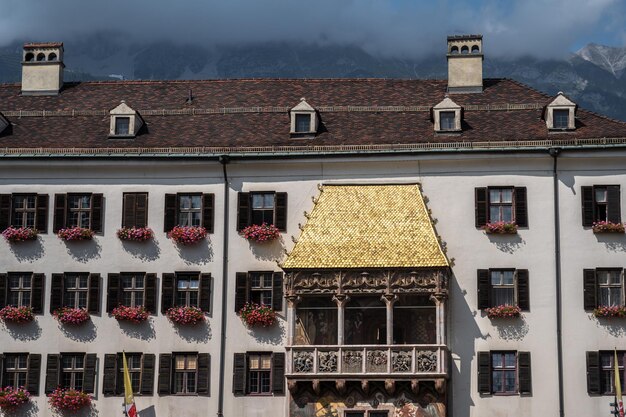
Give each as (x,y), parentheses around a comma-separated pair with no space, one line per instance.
(480,206)
(2,376)
(141,210)
(614,209)
(56,292)
(5,211)
(205,292)
(128,209)
(278,373)
(277,291)
(165,374)
(119,381)
(484,372)
(204,374)
(147,373)
(524,374)
(587,206)
(167,292)
(110,374)
(113,291)
(170,212)
(89,379)
(243,211)
(208,210)
(523,291)
(239,374)
(4,278)
(52,373)
(93,303)
(521,207)
(32,377)
(484,289)
(590,289)
(41,222)
(97,209)
(241,290)
(150,295)
(38,293)
(60,210)
(593,373)
(281,212)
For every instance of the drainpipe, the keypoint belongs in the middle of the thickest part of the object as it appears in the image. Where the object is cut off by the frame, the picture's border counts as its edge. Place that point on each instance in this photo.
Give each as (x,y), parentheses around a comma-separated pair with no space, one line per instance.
(554,153)
(224,160)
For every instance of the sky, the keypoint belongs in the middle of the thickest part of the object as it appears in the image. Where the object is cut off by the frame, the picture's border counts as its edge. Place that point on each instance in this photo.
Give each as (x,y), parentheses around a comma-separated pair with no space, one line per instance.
(399,28)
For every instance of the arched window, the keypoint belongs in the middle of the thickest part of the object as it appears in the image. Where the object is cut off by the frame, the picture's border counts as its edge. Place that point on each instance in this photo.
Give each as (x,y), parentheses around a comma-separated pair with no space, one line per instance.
(454,50)
(464,50)
(475,49)
(52,56)
(29,57)
(41,56)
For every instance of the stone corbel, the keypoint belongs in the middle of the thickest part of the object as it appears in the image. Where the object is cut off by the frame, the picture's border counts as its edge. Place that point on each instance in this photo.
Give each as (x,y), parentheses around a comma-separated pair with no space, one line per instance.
(293,300)
(440,385)
(316,386)
(390,386)
(292,386)
(365,386)
(415,386)
(340,384)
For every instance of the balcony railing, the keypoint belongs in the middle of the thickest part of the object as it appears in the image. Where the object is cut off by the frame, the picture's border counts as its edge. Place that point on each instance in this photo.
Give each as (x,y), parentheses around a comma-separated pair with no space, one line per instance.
(367,360)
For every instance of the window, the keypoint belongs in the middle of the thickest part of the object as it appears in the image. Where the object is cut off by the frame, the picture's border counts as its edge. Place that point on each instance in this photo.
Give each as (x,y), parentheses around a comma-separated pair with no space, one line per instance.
(75,290)
(72,371)
(503,287)
(446,116)
(560,113)
(189,209)
(414,320)
(124,121)
(607,371)
(184,373)
(504,373)
(79,206)
(603,287)
(133,362)
(140,367)
(498,287)
(20,287)
(316,321)
(185,370)
(601,203)
(303,123)
(561,119)
(133,287)
(259,373)
(187,289)
(262,207)
(501,204)
(303,120)
(135,210)
(78,210)
(447,120)
(265,287)
(365,321)
(16,370)
(24,210)
(122,126)
(261,288)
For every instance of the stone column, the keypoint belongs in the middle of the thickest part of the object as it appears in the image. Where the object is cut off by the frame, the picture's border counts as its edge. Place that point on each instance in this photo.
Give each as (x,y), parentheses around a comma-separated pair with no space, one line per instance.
(292,302)
(341,300)
(440,316)
(389,300)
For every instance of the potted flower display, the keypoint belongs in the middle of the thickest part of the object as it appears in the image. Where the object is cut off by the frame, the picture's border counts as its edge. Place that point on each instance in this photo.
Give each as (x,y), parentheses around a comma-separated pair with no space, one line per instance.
(187,235)
(14,314)
(135,234)
(75,233)
(11,398)
(131,314)
(609,311)
(62,399)
(185,315)
(503,312)
(19,234)
(502,228)
(69,315)
(253,314)
(607,227)
(261,233)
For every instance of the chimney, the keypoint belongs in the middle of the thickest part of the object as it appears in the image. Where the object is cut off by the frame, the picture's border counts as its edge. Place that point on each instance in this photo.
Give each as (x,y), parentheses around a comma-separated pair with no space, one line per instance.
(465,64)
(42,69)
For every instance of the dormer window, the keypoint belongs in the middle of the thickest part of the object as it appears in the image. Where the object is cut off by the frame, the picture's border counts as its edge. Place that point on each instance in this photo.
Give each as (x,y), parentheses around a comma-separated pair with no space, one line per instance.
(303,120)
(561,118)
(446,120)
(125,122)
(447,116)
(303,123)
(560,114)
(122,124)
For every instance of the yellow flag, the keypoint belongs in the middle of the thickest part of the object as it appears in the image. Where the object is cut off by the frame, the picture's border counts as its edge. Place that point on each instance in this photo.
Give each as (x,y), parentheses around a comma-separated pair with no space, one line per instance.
(129,399)
(618,387)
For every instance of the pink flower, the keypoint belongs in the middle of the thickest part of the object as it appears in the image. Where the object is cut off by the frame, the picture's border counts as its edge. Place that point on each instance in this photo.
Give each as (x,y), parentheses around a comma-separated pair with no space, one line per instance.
(137,234)
(187,235)
(503,312)
(500,227)
(185,315)
(75,233)
(68,399)
(607,227)
(261,233)
(17,314)
(253,314)
(68,315)
(11,397)
(610,311)
(19,234)
(132,314)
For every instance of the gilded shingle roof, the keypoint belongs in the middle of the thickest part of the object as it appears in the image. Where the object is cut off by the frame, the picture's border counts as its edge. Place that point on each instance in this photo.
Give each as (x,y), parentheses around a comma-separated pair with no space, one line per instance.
(368,226)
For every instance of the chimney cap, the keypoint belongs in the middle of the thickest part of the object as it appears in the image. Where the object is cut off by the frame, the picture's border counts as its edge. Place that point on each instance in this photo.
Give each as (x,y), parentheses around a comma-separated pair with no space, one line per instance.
(464,37)
(34,45)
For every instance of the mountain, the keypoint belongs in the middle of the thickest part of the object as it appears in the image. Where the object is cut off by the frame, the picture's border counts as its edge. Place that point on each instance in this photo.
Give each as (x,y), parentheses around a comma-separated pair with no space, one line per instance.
(593,77)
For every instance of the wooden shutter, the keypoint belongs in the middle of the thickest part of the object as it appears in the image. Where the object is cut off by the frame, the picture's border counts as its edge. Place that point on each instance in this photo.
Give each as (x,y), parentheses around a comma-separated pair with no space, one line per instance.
(170,212)
(4,285)
(241,290)
(280,215)
(614,209)
(243,211)
(481,206)
(484,372)
(147,373)
(128,209)
(119,381)
(52,373)
(56,292)
(278,373)
(484,289)
(167,292)
(38,293)
(590,289)
(93,304)
(89,380)
(41,222)
(523,291)
(2,376)
(110,374)
(60,210)
(150,294)
(277,291)
(204,374)
(165,373)
(587,206)
(97,209)
(208,210)
(141,210)
(113,291)
(593,373)
(521,207)
(5,211)
(524,374)
(239,374)
(205,292)
(32,377)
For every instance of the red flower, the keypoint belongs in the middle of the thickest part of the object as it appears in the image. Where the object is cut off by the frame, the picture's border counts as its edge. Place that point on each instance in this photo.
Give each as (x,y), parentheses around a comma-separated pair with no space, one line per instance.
(68,399)
(68,315)
(136,234)
(185,315)
(607,227)
(503,312)
(11,398)
(501,227)
(75,233)
(610,311)
(261,233)
(17,314)
(187,235)
(253,314)
(19,234)
(132,314)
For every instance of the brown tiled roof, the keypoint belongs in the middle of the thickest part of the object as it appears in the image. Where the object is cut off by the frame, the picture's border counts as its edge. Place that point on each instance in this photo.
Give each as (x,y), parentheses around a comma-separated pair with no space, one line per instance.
(238,113)
(32,45)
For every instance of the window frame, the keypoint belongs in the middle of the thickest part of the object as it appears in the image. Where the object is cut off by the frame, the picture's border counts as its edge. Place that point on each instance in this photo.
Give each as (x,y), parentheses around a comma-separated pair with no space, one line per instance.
(447,113)
(135,216)
(493,287)
(264,288)
(501,204)
(131,370)
(73,370)
(133,289)
(600,286)
(189,211)
(560,111)
(20,289)
(116,131)
(185,372)
(15,210)
(12,372)
(611,370)
(297,125)
(263,209)
(181,276)
(77,289)
(259,371)
(70,210)
(503,369)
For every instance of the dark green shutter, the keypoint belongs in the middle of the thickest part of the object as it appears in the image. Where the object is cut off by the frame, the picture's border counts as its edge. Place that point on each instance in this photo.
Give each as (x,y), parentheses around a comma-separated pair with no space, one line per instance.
(97,209)
(204,374)
(5,211)
(590,289)
(277,291)
(484,289)
(205,292)
(110,374)
(89,378)
(484,372)
(60,209)
(524,374)
(52,373)
(147,373)
(614,207)
(278,373)
(41,223)
(208,210)
(241,290)
(4,284)
(141,210)
(243,211)
(239,374)
(170,212)
(93,304)
(167,292)
(480,206)
(587,206)
(150,295)
(521,207)
(113,291)
(165,374)
(38,293)
(281,212)
(523,291)
(593,373)
(56,292)
(128,210)
(32,377)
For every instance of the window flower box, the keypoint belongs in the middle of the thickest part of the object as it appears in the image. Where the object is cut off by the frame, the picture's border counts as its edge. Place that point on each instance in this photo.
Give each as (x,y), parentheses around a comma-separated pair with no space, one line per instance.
(19,234)
(253,314)
(13,314)
(75,233)
(609,311)
(261,233)
(503,312)
(68,315)
(502,228)
(11,398)
(607,227)
(135,234)
(131,314)
(187,235)
(185,315)
(62,399)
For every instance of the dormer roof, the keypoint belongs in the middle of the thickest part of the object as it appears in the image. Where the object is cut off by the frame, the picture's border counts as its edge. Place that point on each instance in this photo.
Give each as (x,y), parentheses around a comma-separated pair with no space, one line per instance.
(303,106)
(4,123)
(446,104)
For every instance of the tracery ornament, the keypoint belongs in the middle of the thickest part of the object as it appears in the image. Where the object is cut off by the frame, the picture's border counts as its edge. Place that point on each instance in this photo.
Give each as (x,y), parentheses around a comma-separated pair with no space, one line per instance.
(401,361)
(303,362)
(327,361)
(352,360)
(377,359)
(426,361)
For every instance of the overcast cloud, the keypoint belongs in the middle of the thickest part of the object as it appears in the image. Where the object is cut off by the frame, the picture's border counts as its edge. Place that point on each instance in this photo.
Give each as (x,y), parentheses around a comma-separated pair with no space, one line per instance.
(398,28)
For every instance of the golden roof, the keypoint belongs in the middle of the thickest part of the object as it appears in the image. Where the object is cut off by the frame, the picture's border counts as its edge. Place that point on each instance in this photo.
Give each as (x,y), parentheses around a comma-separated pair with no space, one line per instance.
(367,226)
